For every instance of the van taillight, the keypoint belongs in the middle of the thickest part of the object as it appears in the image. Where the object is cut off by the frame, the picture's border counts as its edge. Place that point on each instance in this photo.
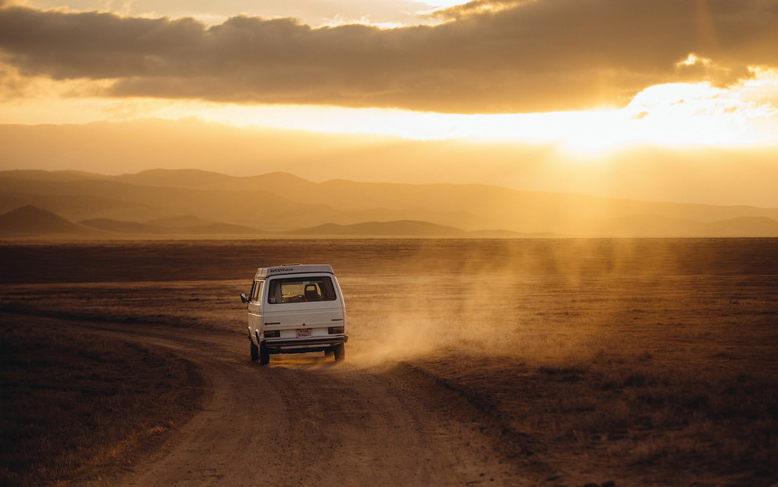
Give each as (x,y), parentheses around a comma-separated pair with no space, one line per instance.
(335,330)
(272,333)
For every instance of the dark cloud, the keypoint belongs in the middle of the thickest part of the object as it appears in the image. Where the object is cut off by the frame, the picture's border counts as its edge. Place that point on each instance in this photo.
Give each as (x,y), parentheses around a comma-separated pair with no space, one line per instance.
(499,56)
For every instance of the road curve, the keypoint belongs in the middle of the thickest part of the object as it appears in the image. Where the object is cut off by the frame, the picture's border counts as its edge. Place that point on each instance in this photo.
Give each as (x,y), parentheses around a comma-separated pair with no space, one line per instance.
(304,420)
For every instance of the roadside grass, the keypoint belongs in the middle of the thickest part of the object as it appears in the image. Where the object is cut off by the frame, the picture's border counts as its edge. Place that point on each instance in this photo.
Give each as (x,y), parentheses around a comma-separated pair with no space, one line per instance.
(628,419)
(193,304)
(77,406)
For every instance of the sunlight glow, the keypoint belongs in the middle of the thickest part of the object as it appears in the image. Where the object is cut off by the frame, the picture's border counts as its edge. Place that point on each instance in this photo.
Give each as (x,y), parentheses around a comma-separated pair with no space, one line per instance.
(678,114)
(383,14)
(692,60)
(444,3)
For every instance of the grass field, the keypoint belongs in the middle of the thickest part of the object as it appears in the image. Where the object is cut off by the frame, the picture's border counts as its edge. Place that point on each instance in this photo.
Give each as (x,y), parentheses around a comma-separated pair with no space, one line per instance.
(645,362)
(80,406)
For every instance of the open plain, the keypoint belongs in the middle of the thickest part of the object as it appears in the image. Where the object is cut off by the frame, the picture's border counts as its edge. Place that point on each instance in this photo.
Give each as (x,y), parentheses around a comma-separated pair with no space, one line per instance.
(537,362)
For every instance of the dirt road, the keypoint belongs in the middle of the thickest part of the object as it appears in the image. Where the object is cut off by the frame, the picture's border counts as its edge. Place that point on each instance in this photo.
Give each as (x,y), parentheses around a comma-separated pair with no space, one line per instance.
(304,420)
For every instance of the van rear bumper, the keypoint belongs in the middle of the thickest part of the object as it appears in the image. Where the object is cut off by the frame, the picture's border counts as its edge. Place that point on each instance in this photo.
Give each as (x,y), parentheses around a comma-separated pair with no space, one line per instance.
(302,345)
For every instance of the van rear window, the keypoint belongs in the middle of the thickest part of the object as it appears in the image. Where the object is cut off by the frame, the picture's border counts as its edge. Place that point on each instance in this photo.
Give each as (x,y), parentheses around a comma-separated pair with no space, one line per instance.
(301,290)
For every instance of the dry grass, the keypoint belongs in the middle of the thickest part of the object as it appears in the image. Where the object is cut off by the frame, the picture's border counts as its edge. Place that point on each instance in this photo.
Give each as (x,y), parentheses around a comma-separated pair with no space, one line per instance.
(624,420)
(76,405)
(645,362)
(192,304)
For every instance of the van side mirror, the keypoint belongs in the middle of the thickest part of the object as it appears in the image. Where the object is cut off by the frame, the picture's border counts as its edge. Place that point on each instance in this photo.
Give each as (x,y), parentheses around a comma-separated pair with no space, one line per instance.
(243,298)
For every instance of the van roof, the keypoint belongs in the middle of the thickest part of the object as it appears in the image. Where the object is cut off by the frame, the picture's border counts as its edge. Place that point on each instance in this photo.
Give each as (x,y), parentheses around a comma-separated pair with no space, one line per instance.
(282,269)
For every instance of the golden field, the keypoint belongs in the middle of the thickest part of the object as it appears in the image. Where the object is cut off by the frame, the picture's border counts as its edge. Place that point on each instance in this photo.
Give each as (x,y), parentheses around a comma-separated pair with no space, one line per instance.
(602,361)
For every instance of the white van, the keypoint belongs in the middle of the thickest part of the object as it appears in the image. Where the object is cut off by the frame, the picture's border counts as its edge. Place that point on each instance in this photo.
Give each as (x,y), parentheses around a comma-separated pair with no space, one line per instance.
(296,309)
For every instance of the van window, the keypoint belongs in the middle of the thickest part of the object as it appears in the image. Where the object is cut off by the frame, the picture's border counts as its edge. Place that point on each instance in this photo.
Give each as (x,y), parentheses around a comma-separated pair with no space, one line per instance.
(301,290)
(256,290)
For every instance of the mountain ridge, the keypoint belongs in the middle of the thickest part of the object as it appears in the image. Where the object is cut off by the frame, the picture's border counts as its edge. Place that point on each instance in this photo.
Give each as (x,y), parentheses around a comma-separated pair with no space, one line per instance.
(280,202)
(30,220)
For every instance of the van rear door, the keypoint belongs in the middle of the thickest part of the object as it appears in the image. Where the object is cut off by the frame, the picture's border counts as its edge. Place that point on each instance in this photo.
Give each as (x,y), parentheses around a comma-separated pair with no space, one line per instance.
(303,306)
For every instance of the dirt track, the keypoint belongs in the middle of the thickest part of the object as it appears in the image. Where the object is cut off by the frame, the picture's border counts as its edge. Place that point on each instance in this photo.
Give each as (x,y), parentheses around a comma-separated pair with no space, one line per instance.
(304,420)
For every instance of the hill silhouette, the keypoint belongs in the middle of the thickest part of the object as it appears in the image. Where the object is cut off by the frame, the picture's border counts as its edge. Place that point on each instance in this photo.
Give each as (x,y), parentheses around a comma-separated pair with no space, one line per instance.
(392,228)
(30,220)
(33,221)
(192,201)
(136,228)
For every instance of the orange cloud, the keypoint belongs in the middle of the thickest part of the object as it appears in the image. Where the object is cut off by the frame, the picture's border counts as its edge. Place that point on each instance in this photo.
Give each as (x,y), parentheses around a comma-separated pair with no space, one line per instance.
(488,57)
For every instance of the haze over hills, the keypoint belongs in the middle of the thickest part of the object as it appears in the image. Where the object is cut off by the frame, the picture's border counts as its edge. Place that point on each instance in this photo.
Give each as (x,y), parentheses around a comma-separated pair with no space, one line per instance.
(646,173)
(31,220)
(405,227)
(179,202)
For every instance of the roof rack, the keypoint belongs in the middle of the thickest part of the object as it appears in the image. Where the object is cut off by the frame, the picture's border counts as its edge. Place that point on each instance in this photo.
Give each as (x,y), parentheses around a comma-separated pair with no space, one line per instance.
(283,269)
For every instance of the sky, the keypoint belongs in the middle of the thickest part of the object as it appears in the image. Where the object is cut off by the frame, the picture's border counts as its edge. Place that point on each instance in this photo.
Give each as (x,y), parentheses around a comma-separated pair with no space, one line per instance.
(673,100)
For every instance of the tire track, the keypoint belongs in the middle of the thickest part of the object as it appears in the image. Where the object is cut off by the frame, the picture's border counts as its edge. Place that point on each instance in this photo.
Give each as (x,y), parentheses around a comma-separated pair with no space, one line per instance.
(305,421)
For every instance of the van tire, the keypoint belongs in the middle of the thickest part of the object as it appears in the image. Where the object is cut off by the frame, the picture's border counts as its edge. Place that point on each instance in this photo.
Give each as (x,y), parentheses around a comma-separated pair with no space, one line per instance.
(254,351)
(340,352)
(264,354)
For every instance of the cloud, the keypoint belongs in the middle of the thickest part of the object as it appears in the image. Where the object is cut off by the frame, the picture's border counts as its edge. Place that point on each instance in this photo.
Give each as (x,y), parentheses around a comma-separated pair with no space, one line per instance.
(487,57)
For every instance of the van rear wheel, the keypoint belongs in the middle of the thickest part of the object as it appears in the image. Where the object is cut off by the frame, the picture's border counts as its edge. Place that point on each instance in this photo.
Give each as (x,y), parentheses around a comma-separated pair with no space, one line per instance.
(264,354)
(340,352)
(254,351)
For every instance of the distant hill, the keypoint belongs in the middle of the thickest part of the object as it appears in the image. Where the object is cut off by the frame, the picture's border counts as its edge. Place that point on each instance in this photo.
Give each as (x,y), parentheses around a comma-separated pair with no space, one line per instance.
(135,228)
(117,226)
(744,227)
(220,229)
(179,221)
(658,226)
(180,202)
(29,220)
(402,228)
(181,178)
(383,229)
(195,225)
(33,221)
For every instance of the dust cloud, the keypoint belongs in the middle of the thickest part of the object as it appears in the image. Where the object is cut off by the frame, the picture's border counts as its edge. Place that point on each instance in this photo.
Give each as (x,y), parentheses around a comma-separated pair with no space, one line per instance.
(536,299)
(539,300)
